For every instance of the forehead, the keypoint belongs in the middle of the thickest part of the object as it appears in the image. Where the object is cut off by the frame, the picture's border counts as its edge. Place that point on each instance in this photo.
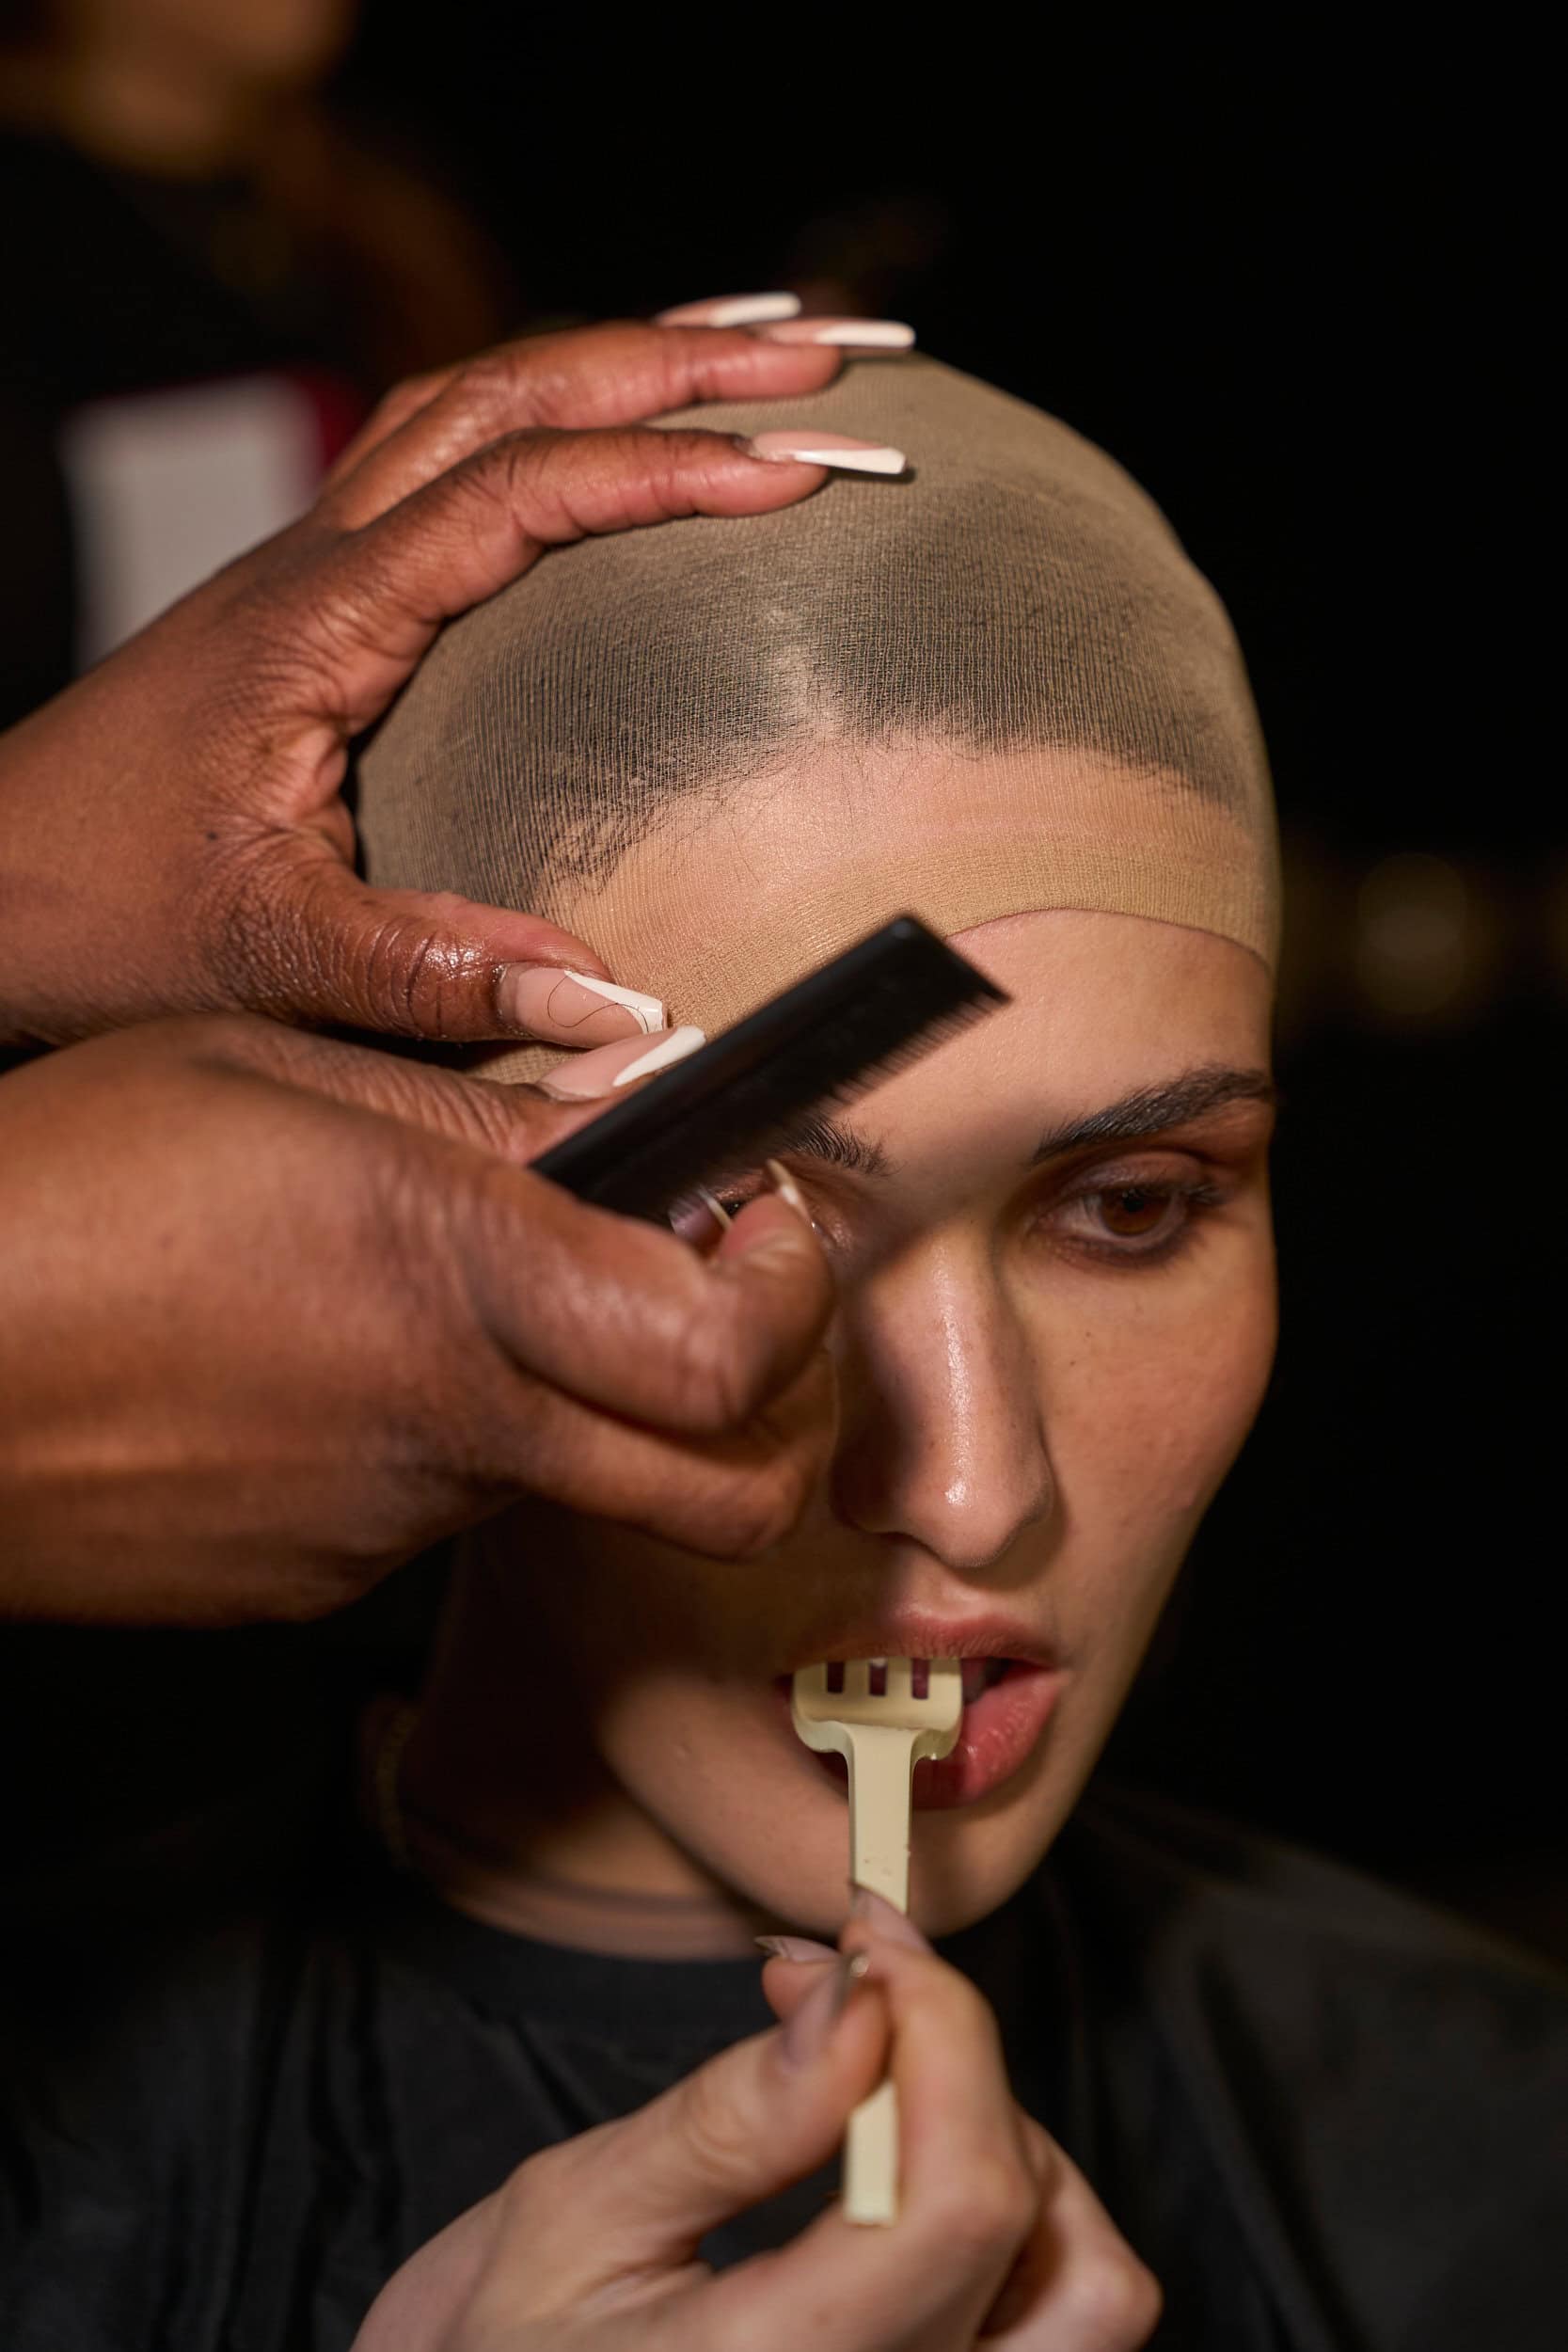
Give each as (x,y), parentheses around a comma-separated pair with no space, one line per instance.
(742,889)
(1104,1006)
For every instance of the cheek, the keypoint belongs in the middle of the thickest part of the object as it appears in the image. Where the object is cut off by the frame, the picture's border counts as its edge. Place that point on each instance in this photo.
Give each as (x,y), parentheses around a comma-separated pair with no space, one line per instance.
(1148,1401)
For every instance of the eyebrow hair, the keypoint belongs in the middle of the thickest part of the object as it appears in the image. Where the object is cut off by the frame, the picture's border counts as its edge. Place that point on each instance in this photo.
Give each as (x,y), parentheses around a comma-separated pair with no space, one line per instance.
(1149,1111)
(841,1147)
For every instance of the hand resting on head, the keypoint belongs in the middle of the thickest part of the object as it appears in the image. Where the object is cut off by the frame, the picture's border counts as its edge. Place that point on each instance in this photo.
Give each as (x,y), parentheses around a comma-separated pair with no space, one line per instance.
(174,836)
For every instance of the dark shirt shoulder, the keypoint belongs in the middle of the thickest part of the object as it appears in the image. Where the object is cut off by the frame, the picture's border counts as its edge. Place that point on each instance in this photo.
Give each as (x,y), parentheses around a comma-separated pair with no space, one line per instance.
(1381,2091)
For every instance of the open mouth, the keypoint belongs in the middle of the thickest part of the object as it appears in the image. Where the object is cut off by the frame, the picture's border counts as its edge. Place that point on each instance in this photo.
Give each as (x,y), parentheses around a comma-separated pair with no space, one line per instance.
(1007,1703)
(979,1675)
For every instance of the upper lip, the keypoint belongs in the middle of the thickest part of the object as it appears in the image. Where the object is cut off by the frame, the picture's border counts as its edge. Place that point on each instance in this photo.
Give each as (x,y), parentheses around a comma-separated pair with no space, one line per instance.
(913,1633)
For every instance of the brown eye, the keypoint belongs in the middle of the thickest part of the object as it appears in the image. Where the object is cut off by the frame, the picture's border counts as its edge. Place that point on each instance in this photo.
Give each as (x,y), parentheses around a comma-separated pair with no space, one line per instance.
(1132,1210)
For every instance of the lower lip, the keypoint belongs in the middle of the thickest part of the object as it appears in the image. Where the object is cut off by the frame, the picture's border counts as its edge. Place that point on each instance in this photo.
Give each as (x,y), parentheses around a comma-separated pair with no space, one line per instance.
(998,1735)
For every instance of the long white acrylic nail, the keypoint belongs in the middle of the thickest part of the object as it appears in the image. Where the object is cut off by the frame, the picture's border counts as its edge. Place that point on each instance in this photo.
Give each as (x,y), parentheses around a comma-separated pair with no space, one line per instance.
(648,1010)
(861,334)
(825,448)
(674,1047)
(731,310)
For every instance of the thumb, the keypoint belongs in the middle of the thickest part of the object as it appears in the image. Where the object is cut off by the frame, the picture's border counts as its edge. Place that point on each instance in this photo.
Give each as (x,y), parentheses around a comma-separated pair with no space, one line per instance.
(749,2123)
(321,945)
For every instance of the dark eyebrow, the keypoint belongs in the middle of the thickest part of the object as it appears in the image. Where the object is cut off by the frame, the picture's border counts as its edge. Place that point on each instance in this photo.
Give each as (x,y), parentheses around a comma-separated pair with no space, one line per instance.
(1149,1111)
(841,1147)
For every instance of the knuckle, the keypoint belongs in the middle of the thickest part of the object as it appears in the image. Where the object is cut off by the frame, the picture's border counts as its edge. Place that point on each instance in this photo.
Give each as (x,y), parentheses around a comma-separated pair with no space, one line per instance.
(403,976)
(518,478)
(416,978)
(535,2189)
(1115,2303)
(718,2142)
(762,1507)
(500,387)
(492,1117)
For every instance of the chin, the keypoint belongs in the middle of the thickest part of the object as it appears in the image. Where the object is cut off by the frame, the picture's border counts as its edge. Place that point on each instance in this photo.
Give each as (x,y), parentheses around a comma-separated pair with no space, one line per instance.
(773,1830)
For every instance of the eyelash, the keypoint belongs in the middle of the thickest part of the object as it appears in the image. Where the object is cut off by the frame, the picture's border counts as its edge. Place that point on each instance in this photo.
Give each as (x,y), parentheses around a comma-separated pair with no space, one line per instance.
(1197,1198)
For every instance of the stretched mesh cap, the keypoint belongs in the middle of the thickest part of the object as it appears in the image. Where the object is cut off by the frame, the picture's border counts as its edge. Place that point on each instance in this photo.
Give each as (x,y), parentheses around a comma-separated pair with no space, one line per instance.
(994,686)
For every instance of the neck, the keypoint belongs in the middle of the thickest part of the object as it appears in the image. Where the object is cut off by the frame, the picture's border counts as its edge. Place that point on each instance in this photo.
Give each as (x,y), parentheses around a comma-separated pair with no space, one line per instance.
(511,1812)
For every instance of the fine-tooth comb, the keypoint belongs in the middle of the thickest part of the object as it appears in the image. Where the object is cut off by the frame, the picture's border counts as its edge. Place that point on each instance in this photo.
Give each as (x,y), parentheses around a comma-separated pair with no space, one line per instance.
(722,1110)
(882,1737)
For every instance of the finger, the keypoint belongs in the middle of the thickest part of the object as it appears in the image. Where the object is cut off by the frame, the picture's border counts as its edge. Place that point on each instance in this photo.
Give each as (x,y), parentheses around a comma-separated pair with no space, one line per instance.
(581,379)
(730,1496)
(393,409)
(763,1398)
(361,611)
(572,1295)
(1077,2285)
(387,589)
(967,2187)
(794,1965)
(419,2308)
(956,2104)
(641,2194)
(317,944)
(513,1123)
(624,1316)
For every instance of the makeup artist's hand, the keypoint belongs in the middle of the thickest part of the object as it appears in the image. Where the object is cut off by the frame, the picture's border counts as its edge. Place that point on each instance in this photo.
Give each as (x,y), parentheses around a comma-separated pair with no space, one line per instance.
(1000,2240)
(172,834)
(275,1312)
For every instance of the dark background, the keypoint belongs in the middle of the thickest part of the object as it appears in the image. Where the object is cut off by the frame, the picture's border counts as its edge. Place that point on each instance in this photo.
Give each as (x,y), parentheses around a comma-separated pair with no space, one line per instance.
(1290,286)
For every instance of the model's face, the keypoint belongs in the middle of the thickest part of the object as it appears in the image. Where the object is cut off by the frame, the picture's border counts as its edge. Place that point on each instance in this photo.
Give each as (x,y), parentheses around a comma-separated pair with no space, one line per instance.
(1050,1351)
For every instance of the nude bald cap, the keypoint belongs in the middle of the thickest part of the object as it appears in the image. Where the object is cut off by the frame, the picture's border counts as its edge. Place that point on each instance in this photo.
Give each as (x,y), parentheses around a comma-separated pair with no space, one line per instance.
(994,686)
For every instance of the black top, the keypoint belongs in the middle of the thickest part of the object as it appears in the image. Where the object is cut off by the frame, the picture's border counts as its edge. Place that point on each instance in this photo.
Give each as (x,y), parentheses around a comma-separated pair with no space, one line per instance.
(250,2072)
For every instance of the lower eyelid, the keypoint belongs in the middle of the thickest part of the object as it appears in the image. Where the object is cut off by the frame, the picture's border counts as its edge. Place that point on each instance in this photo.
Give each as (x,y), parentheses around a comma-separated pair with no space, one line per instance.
(1194,1200)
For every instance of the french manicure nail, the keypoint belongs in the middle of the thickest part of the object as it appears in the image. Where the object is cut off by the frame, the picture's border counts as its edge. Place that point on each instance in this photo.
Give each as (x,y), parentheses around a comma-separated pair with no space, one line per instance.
(852,334)
(649,1009)
(810,2030)
(731,310)
(796,1947)
(839,450)
(582,1076)
(545,1001)
(674,1047)
(887,1919)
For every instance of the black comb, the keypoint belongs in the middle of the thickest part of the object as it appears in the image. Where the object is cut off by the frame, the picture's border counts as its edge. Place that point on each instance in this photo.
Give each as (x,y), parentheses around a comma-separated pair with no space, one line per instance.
(831,1037)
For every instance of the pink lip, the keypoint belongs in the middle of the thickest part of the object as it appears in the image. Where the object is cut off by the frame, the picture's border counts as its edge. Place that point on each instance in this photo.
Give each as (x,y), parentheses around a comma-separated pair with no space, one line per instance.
(999,1733)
